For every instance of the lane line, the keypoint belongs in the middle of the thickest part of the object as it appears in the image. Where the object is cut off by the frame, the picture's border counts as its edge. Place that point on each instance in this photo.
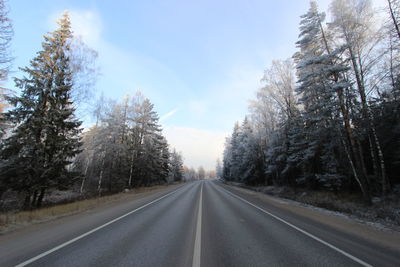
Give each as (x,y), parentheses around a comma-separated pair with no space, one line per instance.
(197,240)
(93,230)
(363,263)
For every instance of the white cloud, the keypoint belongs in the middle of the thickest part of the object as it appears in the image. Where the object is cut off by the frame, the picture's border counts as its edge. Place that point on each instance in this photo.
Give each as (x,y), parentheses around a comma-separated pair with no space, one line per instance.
(87,24)
(199,147)
(168,115)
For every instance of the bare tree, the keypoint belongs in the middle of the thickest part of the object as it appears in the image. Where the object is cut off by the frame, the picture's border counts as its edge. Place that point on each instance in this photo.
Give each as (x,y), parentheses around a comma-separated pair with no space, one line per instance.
(394,14)
(6,34)
(354,21)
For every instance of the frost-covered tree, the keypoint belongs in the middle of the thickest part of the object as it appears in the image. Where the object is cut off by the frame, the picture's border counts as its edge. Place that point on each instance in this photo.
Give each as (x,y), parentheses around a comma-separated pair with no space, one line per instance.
(334,125)
(125,148)
(176,166)
(6,34)
(189,174)
(201,173)
(317,99)
(46,136)
(278,95)
(355,25)
(219,169)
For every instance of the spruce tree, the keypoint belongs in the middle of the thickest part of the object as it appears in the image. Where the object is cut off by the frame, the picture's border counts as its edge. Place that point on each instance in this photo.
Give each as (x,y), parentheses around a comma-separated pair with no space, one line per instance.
(46,134)
(322,83)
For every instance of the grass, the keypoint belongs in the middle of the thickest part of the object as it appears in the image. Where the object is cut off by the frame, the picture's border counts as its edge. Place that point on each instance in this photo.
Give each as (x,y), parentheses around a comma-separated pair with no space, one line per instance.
(13,220)
(385,210)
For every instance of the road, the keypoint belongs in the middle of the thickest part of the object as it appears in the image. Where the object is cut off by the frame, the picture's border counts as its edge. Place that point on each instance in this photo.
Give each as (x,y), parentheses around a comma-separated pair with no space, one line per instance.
(203,223)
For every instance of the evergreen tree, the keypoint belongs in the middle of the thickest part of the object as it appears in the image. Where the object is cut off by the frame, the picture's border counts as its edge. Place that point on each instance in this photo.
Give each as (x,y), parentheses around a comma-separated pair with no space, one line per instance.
(321,86)
(176,166)
(46,135)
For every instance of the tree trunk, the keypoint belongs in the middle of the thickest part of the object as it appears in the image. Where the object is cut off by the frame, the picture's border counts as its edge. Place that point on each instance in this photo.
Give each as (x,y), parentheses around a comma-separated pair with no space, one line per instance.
(385,182)
(362,161)
(27,201)
(34,198)
(369,119)
(396,25)
(40,198)
(131,173)
(374,165)
(101,176)
(364,190)
(84,176)
(354,155)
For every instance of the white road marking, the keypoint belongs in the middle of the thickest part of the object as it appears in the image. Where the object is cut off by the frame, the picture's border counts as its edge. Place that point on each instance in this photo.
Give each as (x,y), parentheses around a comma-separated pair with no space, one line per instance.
(197,240)
(91,231)
(363,263)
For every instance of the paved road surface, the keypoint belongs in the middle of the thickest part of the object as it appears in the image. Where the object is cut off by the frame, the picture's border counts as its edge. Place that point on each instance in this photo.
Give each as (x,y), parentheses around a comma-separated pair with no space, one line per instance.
(198,224)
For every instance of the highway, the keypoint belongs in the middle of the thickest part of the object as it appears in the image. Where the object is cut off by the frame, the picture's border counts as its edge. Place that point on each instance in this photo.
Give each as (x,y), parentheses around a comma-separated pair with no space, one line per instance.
(204,223)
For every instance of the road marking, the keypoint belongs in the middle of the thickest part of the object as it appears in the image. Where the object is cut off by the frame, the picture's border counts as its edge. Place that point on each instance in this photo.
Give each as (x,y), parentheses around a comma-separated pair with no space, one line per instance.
(363,263)
(92,231)
(197,240)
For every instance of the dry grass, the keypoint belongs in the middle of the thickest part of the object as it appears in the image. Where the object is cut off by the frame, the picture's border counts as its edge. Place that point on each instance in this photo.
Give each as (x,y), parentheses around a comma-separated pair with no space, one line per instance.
(385,211)
(13,220)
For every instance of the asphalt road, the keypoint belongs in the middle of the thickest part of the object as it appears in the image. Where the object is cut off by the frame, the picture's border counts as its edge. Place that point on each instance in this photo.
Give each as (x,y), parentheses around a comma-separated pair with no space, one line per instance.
(198,224)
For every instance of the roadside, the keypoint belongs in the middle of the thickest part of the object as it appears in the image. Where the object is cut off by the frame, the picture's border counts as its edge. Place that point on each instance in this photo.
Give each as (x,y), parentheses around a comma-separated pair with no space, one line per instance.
(10,221)
(384,213)
(386,236)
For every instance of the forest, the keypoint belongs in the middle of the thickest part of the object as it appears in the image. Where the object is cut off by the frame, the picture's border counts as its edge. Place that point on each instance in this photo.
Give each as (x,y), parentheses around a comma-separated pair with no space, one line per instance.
(328,118)
(44,146)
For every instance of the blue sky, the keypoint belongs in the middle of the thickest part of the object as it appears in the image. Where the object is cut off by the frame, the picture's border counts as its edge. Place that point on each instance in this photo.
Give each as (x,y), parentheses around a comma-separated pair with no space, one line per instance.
(199,62)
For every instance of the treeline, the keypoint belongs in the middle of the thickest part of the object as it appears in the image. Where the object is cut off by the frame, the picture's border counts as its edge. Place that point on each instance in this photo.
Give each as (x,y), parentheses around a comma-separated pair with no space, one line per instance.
(126,148)
(329,117)
(43,144)
(190,174)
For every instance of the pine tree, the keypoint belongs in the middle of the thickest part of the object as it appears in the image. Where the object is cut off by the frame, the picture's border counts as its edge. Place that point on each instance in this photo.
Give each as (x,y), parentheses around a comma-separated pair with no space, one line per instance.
(46,134)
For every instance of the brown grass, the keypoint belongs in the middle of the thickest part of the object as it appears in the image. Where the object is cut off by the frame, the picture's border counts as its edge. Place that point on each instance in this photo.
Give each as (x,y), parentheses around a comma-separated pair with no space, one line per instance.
(385,211)
(13,220)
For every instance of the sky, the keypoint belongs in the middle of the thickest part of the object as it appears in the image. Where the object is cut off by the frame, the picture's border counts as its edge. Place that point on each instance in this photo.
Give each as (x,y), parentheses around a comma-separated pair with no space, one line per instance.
(199,62)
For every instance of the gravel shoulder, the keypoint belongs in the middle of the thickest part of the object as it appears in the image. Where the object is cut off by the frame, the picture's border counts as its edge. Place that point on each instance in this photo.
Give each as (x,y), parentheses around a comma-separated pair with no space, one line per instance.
(372,232)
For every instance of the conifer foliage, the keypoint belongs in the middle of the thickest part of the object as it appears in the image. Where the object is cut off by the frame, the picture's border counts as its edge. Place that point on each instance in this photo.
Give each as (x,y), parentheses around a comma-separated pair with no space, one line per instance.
(46,134)
(335,125)
(126,149)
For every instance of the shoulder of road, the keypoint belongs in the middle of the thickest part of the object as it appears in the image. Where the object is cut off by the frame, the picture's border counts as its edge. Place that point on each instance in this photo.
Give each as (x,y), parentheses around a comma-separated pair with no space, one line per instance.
(377,234)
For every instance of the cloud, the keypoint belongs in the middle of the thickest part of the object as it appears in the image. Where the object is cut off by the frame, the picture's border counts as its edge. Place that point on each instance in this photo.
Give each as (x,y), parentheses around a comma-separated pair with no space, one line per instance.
(167,115)
(199,147)
(88,25)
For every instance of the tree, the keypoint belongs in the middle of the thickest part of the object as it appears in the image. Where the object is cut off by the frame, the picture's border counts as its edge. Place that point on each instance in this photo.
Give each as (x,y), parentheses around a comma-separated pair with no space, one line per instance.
(189,173)
(201,173)
(176,166)
(46,136)
(6,34)
(353,21)
(279,97)
(219,169)
(394,6)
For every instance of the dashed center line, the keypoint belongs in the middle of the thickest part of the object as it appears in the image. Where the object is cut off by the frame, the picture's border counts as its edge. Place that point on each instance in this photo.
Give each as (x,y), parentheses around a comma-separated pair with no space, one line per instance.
(197,241)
